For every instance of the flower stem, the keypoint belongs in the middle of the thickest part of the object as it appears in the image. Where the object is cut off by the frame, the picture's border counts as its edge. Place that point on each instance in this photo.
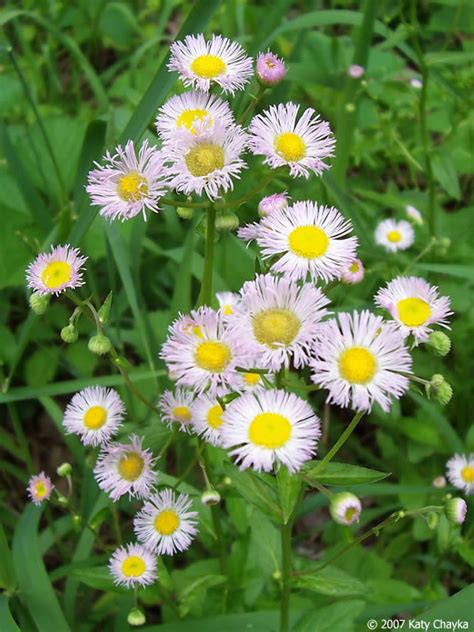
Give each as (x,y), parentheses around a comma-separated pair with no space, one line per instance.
(239,201)
(184,203)
(341,441)
(285,570)
(205,295)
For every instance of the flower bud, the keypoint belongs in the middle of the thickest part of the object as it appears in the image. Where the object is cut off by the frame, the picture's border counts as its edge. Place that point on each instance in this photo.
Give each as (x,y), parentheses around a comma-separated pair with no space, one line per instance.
(456,509)
(432,520)
(270,203)
(211,497)
(76,522)
(69,334)
(354,273)
(104,310)
(99,344)
(350,107)
(439,482)
(442,246)
(439,343)
(226,222)
(345,508)
(270,69)
(355,71)
(184,212)
(414,214)
(65,469)
(277,576)
(136,617)
(440,390)
(39,303)
(62,500)
(227,481)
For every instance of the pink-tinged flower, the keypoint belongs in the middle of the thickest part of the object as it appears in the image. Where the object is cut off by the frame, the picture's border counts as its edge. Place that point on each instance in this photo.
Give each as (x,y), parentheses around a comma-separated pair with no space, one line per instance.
(309,240)
(94,414)
(228,301)
(456,510)
(179,114)
(56,271)
(414,305)
(270,203)
(178,408)
(439,482)
(270,69)
(414,214)
(416,83)
(360,360)
(208,419)
(301,145)
(127,185)
(40,488)
(208,161)
(133,565)
(355,71)
(354,272)
(460,472)
(202,63)
(125,469)
(393,235)
(263,428)
(277,321)
(345,508)
(165,524)
(249,232)
(206,357)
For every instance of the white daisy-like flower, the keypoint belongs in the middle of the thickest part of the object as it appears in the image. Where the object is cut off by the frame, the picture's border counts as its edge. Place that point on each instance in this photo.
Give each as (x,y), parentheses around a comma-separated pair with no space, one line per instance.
(40,488)
(250,381)
(249,232)
(274,202)
(414,214)
(353,273)
(414,305)
(208,161)
(345,508)
(206,360)
(277,320)
(56,271)
(267,427)
(179,113)
(165,524)
(94,414)
(133,565)
(127,185)
(393,235)
(208,419)
(310,240)
(125,469)
(460,472)
(202,63)
(359,359)
(178,408)
(228,302)
(301,145)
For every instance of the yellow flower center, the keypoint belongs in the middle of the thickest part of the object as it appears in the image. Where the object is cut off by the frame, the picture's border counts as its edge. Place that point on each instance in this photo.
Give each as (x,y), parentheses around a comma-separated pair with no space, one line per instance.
(252,379)
(187,118)
(132,187)
(181,413)
(208,66)
(56,274)
(166,522)
(350,513)
(357,365)
(214,416)
(354,267)
(394,236)
(413,311)
(133,566)
(204,159)
(40,490)
(269,430)
(467,474)
(227,310)
(193,329)
(275,327)
(131,466)
(95,417)
(309,242)
(213,356)
(290,147)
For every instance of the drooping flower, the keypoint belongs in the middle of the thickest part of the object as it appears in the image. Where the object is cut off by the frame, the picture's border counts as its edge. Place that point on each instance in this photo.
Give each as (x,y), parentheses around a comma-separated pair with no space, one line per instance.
(178,408)
(208,419)
(414,305)
(310,240)
(127,184)
(460,472)
(414,214)
(301,145)
(40,488)
(278,320)
(125,469)
(270,69)
(356,71)
(179,114)
(133,565)
(393,235)
(274,202)
(56,271)
(262,428)
(416,83)
(94,414)
(345,508)
(354,272)
(456,510)
(165,524)
(202,63)
(360,360)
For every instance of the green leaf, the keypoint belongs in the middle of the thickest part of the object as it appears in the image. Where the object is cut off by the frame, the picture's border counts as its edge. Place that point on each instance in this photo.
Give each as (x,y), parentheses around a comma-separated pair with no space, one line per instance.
(256,490)
(340,474)
(456,608)
(445,174)
(338,616)
(96,577)
(6,619)
(450,269)
(182,299)
(289,486)
(263,621)
(330,581)
(118,23)
(36,592)
(7,573)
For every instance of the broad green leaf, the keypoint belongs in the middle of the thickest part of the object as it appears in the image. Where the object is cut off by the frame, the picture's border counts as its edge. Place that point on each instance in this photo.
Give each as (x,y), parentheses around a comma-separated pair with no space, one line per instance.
(450,269)
(340,474)
(338,616)
(255,490)
(445,174)
(263,621)
(456,608)
(6,619)
(330,581)
(182,299)
(7,573)
(98,577)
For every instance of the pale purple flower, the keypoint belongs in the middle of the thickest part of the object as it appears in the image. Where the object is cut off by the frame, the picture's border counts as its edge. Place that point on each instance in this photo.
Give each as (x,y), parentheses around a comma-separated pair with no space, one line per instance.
(355,71)
(133,565)
(40,488)
(354,272)
(56,271)
(414,214)
(177,408)
(274,202)
(270,69)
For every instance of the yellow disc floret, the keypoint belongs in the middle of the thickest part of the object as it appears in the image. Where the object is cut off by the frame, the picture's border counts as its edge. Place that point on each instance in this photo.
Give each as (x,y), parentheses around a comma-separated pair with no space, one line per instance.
(208,66)
(181,413)
(204,159)
(394,236)
(214,416)
(357,365)
(252,379)
(132,187)
(467,474)
(166,522)
(133,566)
(275,327)
(187,118)
(213,356)
(40,490)
(131,466)
(95,417)
(413,312)
(309,242)
(56,273)
(270,430)
(290,147)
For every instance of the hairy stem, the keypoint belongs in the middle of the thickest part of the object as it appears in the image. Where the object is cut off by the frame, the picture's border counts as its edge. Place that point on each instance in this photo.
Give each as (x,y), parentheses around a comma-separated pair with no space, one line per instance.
(341,441)
(285,570)
(205,295)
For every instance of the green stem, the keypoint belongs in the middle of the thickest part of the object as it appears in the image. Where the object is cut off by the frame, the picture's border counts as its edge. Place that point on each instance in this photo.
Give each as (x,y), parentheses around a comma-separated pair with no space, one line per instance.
(239,201)
(341,441)
(252,104)
(285,571)
(183,203)
(205,295)
(421,254)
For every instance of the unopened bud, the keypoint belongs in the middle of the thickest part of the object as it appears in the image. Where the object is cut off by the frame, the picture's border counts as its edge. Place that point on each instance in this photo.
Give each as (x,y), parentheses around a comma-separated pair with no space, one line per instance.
(76,522)
(270,69)
(456,509)
(439,343)
(185,212)
(345,508)
(39,303)
(104,310)
(439,482)
(211,497)
(350,107)
(226,222)
(277,576)
(227,481)
(62,500)
(99,344)
(69,334)
(136,617)
(440,390)
(65,469)
(442,245)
